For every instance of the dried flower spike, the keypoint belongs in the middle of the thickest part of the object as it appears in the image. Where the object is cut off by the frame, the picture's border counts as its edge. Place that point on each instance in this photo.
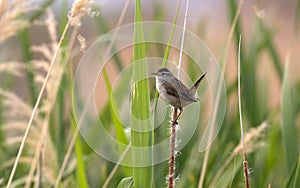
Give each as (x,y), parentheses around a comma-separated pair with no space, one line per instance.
(79,9)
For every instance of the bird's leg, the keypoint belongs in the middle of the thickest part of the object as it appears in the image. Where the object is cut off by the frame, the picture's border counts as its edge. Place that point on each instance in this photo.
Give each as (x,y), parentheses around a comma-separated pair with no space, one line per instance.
(175,120)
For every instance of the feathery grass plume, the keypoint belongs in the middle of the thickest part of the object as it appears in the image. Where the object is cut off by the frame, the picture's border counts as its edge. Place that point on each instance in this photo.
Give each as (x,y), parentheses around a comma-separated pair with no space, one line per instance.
(16,116)
(13,68)
(19,113)
(17,69)
(51,88)
(79,9)
(253,139)
(38,137)
(11,20)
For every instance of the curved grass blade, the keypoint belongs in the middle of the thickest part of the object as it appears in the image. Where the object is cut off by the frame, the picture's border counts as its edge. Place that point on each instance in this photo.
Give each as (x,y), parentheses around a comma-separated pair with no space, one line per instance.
(126,183)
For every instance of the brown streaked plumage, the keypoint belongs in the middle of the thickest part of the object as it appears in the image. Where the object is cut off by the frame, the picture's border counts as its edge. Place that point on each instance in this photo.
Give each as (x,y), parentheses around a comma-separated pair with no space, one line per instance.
(173,91)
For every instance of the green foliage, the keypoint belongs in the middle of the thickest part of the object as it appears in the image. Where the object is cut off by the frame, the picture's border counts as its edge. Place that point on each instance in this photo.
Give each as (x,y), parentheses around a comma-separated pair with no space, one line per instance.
(289,131)
(273,154)
(81,175)
(140,108)
(294,180)
(126,183)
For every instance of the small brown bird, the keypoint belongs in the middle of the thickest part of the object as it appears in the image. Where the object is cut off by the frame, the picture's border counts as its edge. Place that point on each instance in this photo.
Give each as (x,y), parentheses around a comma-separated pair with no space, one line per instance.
(174,92)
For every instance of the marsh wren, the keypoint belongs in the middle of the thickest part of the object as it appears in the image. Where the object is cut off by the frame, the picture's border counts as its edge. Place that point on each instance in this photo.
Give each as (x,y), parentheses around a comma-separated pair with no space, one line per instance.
(174,92)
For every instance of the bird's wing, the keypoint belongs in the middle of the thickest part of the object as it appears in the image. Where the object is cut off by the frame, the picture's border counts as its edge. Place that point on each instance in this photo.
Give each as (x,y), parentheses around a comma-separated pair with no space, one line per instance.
(171,90)
(182,95)
(183,92)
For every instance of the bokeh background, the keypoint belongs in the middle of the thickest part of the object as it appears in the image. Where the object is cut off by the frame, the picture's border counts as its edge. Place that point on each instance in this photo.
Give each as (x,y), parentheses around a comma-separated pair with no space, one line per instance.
(270,80)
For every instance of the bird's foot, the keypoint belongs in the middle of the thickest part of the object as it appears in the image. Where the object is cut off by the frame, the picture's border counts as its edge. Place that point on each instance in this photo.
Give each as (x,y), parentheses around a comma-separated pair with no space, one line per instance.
(174,122)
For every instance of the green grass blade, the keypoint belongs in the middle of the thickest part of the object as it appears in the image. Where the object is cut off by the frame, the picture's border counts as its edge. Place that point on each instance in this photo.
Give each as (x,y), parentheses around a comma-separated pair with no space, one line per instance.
(232,9)
(289,130)
(120,134)
(297,174)
(27,56)
(126,183)
(2,133)
(63,19)
(164,63)
(41,10)
(271,48)
(229,173)
(61,130)
(167,52)
(80,170)
(294,176)
(140,108)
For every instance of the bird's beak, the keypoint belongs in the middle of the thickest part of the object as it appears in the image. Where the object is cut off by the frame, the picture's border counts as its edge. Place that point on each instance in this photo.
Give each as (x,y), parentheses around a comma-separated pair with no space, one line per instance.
(154,73)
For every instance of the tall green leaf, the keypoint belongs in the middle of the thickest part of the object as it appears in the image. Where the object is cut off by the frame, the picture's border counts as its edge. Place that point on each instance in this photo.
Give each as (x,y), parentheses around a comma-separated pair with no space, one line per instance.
(120,134)
(140,108)
(166,56)
(289,130)
(269,42)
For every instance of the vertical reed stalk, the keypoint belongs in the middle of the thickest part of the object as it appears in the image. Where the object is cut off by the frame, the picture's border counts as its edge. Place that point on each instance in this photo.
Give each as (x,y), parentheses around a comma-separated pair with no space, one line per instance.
(171,176)
(245,162)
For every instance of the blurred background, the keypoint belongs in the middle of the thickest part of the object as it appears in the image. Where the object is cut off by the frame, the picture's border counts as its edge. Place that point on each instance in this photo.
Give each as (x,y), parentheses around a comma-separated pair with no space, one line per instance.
(270,81)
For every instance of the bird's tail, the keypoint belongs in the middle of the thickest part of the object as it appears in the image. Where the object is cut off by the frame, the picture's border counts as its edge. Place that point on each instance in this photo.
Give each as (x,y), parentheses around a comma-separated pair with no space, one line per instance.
(196,85)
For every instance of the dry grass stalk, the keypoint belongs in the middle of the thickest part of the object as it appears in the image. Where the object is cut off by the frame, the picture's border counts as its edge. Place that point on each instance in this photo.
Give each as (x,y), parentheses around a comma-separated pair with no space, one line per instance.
(51,84)
(253,142)
(114,170)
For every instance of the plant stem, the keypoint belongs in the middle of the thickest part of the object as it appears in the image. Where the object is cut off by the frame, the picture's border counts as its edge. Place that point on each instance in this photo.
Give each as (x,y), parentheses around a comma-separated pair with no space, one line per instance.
(246,175)
(245,163)
(182,37)
(171,178)
(172,149)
